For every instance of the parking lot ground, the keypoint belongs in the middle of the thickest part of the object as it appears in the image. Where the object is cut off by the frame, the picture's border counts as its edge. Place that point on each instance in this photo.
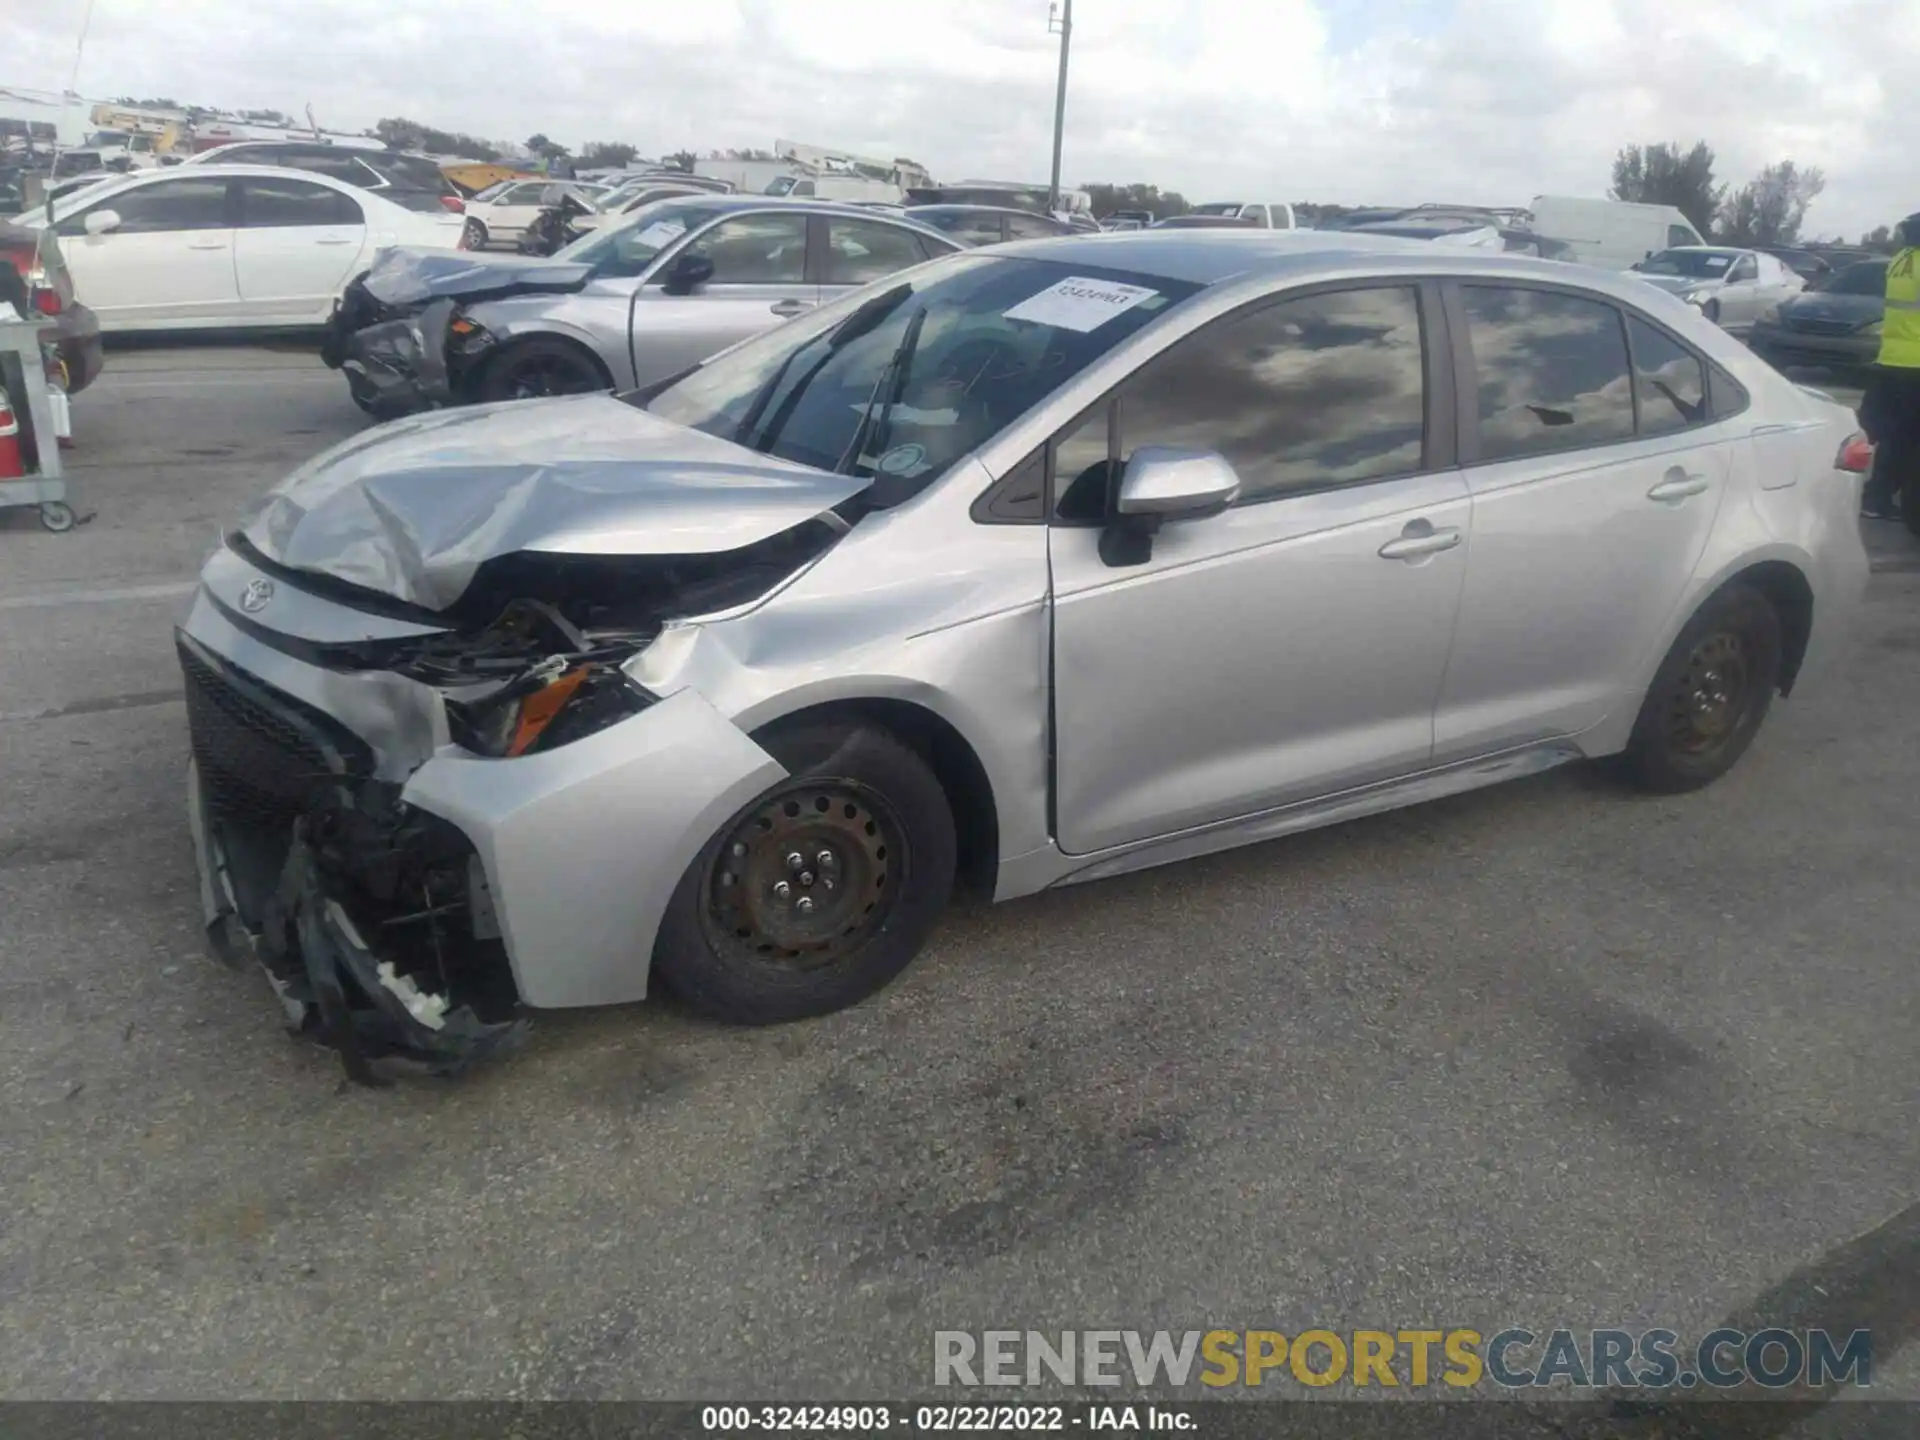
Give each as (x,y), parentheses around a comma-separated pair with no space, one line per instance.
(1547,1055)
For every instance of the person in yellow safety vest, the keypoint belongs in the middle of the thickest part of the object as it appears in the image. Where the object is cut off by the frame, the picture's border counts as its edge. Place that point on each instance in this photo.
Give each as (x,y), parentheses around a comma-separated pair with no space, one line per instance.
(1890,409)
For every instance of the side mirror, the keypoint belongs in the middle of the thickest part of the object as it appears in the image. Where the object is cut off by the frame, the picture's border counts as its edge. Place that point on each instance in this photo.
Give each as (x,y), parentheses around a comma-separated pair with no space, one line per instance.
(1162,483)
(687,274)
(102,222)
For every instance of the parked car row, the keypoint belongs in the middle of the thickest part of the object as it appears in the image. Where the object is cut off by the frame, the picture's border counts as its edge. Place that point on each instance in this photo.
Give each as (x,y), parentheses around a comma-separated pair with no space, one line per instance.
(969,570)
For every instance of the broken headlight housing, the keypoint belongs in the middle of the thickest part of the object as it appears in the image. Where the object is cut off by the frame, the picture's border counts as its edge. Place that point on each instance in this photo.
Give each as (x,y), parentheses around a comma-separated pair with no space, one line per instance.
(559,700)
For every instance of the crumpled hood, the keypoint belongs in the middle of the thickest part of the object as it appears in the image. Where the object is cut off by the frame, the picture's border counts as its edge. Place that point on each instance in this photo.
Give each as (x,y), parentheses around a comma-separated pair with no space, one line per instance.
(405,275)
(412,509)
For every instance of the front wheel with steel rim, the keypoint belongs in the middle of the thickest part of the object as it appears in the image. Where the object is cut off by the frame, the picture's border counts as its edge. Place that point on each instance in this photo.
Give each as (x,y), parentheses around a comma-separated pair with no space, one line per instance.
(474,235)
(1710,695)
(539,367)
(821,890)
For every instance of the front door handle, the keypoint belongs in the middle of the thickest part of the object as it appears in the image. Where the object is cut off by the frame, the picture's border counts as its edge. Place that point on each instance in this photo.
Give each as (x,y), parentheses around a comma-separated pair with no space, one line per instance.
(1417,545)
(1677,485)
(788,308)
(206,244)
(336,242)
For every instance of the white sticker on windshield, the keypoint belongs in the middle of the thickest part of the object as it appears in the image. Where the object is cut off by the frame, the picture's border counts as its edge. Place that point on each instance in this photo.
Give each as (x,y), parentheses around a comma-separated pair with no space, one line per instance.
(1079,303)
(661,233)
(1719,262)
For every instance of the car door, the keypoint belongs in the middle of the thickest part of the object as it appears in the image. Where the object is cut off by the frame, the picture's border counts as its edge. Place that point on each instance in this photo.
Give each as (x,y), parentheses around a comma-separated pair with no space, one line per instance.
(1739,294)
(1596,472)
(759,279)
(508,216)
(1294,645)
(169,260)
(296,247)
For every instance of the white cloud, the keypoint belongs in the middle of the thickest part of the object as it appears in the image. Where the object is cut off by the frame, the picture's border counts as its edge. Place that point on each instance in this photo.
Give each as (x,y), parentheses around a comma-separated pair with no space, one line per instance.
(1353,100)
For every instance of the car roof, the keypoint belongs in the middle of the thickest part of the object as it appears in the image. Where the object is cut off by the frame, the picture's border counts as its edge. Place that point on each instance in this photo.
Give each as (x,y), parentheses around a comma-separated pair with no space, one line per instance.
(1207,257)
(958,209)
(135,179)
(1704,250)
(731,204)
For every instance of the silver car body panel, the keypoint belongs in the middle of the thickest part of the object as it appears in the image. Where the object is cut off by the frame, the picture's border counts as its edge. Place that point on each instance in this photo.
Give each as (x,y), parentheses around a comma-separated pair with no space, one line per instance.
(413,509)
(642,334)
(1530,642)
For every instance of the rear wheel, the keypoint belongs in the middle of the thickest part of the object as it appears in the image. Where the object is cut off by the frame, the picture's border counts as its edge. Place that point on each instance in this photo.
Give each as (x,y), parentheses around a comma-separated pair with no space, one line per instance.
(530,369)
(1710,696)
(820,891)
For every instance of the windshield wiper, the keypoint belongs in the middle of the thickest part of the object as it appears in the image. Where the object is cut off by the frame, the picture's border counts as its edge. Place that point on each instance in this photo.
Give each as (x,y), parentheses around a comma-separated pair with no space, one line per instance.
(865,319)
(892,382)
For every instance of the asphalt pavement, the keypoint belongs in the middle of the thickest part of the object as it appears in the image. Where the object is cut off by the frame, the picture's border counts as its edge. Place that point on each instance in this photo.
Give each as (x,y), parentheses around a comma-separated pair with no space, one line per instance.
(1552,1054)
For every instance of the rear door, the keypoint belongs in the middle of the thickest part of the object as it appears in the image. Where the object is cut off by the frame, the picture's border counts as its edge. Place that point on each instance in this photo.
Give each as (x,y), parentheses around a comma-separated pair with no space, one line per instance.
(1596,473)
(296,247)
(168,262)
(759,279)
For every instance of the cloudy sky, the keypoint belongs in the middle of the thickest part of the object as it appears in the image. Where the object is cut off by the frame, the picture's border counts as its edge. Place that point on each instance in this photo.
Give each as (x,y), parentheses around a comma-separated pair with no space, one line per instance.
(1385,101)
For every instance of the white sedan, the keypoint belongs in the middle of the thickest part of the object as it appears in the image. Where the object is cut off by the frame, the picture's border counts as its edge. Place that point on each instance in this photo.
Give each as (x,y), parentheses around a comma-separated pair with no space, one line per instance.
(505,211)
(232,247)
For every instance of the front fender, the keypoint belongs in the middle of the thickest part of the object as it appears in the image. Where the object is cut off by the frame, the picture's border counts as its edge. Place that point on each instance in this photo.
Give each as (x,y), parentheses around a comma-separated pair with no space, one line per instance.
(545,317)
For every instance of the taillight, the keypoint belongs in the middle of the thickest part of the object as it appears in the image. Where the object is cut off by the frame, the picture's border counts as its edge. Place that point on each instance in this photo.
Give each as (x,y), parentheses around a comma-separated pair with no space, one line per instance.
(1856,455)
(453,203)
(47,302)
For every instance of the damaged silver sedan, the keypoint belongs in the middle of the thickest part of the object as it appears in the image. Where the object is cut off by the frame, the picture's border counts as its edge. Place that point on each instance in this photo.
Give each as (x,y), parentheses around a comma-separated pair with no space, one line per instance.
(1030,567)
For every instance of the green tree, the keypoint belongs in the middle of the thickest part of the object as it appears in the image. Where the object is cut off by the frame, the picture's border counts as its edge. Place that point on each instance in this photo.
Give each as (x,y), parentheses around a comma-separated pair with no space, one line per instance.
(1664,175)
(1878,238)
(546,149)
(680,160)
(399,133)
(1108,198)
(1770,208)
(606,153)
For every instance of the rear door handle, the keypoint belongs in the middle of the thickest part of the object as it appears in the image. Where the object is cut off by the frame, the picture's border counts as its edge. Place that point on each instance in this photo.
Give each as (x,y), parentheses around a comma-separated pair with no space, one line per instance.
(1677,485)
(786,308)
(206,244)
(336,242)
(1416,546)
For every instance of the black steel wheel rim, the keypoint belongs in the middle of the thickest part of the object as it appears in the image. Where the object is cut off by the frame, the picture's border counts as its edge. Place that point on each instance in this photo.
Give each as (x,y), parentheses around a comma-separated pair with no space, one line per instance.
(1712,697)
(808,875)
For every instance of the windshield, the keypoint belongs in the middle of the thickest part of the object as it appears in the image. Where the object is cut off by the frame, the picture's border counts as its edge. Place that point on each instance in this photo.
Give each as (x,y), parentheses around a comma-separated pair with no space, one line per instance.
(1697,264)
(629,247)
(928,367)
(1868,279)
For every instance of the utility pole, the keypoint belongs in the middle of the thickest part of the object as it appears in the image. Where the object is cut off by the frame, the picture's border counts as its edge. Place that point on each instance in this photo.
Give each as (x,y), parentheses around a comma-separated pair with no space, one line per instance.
(1059,22)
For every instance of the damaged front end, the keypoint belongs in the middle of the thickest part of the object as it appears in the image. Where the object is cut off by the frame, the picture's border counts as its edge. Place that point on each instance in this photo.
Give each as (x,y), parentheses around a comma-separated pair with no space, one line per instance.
(400,334)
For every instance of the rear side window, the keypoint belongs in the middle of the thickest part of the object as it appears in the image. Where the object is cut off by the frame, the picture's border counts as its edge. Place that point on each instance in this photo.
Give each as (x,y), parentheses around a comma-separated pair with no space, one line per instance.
(1033,227)
(1669,380)
(276,203)
(860,251)
(1552,371)
(1322,390)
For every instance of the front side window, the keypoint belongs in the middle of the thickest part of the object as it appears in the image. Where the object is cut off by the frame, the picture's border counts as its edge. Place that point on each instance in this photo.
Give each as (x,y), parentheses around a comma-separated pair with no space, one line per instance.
(756,250)
(628,248)
(1326,389)
(196,203)
(1552,371)
(278,204)
(862,251)
(901,383)
(1744,269)
(1668,379)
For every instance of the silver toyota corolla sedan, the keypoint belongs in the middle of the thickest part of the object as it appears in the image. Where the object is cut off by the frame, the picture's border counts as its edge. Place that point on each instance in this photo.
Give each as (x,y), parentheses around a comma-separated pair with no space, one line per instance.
(1033,565)
(644,297)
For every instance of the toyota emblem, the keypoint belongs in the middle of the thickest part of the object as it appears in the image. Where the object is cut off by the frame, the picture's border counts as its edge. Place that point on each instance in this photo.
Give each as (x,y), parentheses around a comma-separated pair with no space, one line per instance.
(257,596)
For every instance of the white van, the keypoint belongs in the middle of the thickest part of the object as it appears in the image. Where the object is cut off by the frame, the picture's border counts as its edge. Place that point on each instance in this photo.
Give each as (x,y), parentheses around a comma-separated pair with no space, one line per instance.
(1275,216)
(1612,234)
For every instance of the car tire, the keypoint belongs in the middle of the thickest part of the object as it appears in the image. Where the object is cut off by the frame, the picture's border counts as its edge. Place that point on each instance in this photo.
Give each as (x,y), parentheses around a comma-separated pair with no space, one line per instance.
(539,367)
(1710,695)
(475,234)
(876,841)
(1711,310)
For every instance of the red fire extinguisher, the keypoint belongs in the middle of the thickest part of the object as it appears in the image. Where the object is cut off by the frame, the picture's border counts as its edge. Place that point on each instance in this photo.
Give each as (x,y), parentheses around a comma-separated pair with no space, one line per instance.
(12,464)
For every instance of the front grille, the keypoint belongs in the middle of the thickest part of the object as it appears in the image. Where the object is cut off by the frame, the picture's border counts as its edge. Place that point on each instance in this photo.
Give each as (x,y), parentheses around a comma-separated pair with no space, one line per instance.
(263,756)
(1808,326)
